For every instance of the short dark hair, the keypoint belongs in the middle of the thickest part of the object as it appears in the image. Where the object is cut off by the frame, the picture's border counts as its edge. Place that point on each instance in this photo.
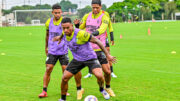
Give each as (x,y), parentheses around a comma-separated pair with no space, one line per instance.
(66,20)
(96,2)
(56,6)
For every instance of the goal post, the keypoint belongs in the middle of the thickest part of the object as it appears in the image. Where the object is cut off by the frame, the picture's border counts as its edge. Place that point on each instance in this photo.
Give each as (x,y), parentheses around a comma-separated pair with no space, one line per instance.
(36,22)
(177,16)
(31,17)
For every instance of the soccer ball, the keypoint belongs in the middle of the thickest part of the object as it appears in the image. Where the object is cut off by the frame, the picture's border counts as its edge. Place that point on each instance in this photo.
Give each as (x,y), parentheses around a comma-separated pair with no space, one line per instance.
(90,98)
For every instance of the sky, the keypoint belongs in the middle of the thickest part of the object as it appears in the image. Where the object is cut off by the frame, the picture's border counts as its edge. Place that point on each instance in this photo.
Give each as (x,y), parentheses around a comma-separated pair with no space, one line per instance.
(81,3)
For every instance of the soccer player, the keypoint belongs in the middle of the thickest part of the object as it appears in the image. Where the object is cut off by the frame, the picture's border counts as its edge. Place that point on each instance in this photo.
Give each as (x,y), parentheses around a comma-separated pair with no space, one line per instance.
(78,42)
(54,51)
(96,23)
(107,46)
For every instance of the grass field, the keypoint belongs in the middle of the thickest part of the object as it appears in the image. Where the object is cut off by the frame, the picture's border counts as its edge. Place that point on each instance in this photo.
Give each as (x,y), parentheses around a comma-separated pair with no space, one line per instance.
(146,69)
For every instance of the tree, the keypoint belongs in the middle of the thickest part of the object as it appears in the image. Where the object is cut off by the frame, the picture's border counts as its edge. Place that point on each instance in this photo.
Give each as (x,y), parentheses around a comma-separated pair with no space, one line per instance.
(66,5)
(177,3)
(26,7)
(104,7)
(170,7)
(83,11)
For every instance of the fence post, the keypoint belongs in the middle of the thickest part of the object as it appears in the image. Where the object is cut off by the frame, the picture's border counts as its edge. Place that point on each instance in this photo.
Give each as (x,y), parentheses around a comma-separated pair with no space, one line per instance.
(162,15)
(142,17)
(172,16)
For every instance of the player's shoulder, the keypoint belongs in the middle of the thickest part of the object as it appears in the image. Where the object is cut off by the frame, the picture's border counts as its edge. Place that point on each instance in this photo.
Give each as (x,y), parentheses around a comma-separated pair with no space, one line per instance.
(105,17)
(82,34)
(48,21)
(86,15)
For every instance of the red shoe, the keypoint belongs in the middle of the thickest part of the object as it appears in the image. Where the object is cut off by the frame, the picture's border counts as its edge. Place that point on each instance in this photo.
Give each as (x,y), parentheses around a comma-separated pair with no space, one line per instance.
(43,94)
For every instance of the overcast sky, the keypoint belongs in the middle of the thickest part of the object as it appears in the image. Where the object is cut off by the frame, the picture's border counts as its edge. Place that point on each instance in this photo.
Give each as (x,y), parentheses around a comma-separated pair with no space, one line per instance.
(81,3)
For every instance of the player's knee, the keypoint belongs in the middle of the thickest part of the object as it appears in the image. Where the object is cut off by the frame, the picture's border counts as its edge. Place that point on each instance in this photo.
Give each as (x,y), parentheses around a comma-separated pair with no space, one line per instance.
(100,76)
(65,79)
(49,70)
(107,72)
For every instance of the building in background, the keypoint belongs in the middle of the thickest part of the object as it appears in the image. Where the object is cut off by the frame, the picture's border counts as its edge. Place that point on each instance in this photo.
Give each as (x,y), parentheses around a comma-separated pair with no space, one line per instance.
(0,16)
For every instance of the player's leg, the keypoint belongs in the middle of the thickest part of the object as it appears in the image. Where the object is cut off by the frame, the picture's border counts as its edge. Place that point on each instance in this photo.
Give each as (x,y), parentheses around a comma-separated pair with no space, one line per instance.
(110,63)
(64,84)
(73,68)
(89,74)
(95,67)
(50,62)
(112,72)
(64,60)
(107,72)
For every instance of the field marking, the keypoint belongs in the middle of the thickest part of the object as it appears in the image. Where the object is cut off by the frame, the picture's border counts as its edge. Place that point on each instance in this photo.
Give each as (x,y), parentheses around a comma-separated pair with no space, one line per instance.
(159,71)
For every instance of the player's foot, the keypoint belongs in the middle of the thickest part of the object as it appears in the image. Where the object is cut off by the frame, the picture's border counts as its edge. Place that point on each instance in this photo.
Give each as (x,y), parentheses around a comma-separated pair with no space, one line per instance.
(80,93)
(105,94)
(43,94)
(113,75)
(110,92)
(61,100)
(88,75)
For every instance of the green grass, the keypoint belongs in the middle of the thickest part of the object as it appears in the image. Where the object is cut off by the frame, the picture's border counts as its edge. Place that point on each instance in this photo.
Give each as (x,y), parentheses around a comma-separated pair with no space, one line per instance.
(146,69)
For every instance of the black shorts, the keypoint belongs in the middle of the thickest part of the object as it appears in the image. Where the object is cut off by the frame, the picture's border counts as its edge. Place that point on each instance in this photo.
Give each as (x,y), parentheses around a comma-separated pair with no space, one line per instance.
(101,57)
(52,59)
(107,43)
(75,66)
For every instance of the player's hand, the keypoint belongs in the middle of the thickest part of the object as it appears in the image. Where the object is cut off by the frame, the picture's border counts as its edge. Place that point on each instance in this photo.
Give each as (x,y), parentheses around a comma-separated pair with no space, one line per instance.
(57,38)
(46,51)
(112,43)
(112,59)
(76,21)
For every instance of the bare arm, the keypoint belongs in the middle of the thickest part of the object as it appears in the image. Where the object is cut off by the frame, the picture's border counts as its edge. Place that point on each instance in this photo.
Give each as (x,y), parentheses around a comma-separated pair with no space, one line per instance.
(58,38)
(46,44)
(99,43)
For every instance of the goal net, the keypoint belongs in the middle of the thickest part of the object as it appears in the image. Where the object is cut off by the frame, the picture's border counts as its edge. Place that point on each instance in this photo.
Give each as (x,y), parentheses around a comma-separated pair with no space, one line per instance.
(31,17)
(177,16)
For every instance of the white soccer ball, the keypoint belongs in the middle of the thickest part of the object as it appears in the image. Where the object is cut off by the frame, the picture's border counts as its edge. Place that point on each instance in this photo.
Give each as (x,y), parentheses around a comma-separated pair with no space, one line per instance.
(90,98)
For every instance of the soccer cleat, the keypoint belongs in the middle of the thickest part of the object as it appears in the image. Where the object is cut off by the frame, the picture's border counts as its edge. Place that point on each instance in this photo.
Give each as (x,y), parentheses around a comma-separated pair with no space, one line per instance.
(113,75)
(88,75)
(80,93)
(43,94)
(61,100)
(105,95)
(110,92)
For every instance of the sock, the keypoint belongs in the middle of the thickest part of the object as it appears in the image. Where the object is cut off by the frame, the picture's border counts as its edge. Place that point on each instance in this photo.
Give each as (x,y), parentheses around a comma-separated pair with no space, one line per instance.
(45,89)
(63,97)
(107,86)
(79,88)
(101,89)
(111,69)
(90,71)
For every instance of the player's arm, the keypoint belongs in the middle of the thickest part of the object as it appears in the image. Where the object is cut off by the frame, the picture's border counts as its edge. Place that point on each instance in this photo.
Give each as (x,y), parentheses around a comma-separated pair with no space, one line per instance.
(111,32)
(46,44)
(110,28)
(99,43)
(58,38)
(103,27)
(47,36)
(83,24)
